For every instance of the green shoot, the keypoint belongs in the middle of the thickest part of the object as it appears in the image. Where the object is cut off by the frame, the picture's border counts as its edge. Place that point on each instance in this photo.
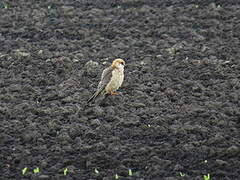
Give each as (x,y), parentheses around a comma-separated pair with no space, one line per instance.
(24,170)
(36,170)
(65,171)
(206,177)
(182,174)
(96,171)
(130,172)
(116,176)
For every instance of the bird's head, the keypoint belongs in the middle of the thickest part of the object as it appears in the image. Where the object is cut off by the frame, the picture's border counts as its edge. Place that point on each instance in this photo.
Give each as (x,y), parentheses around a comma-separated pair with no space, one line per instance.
(118,63)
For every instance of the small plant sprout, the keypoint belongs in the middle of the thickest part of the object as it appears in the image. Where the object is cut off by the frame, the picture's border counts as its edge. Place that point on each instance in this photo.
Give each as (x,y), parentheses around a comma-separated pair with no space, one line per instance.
(5,6)
(36,170)
(130,172)
(182,174)
(24,171)
(116,176)
(65,171)
(49,7)
(206,177)
(96,171)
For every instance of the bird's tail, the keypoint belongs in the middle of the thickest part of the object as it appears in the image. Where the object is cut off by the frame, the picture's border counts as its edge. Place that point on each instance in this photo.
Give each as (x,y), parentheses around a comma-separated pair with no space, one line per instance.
(96,94)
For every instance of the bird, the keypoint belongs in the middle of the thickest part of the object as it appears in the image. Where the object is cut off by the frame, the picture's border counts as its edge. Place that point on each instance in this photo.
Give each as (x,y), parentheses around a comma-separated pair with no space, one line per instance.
(111,79)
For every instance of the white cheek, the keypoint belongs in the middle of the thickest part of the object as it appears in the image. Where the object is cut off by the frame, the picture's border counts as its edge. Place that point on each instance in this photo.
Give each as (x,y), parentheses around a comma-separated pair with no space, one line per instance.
(120,66)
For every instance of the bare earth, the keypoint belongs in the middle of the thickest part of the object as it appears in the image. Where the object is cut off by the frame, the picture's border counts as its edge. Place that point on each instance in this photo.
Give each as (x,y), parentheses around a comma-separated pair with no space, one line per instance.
(178,115)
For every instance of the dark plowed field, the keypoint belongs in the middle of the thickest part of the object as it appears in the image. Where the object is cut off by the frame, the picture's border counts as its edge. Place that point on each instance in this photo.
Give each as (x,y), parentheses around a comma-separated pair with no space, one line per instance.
(178,115)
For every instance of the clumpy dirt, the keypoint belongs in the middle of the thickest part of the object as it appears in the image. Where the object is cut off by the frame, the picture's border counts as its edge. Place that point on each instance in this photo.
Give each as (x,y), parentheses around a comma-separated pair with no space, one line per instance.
(179,113)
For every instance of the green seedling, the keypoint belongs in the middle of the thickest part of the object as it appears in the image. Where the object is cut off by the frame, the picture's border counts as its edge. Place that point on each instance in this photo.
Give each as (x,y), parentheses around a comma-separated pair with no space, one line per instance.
(24,171)
(36,170)
(206,177)
(49,7)
(96,171)
(116,176)
(65,171)
(182,174)
(130,172)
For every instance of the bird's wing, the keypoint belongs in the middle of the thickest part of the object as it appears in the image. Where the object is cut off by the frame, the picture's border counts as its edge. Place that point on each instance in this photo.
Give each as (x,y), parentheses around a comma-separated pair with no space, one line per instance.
(105,79)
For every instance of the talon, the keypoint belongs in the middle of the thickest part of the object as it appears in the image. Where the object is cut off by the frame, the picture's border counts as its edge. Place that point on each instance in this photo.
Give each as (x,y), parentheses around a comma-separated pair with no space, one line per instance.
(114,93)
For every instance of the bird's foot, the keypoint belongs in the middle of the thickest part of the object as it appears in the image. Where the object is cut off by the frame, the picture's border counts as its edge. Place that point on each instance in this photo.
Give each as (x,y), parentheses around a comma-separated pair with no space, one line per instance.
(114,93)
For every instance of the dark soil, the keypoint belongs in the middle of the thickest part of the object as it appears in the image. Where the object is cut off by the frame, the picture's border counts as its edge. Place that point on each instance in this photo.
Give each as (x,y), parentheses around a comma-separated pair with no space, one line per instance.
(179,112)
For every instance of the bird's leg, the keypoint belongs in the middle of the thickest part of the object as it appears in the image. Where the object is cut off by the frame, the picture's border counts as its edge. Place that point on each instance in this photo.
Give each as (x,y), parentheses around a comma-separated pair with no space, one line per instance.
(113,93)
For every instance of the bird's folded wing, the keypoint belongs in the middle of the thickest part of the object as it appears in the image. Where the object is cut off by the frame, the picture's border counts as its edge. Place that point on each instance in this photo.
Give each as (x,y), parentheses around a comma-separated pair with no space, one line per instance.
(105,79)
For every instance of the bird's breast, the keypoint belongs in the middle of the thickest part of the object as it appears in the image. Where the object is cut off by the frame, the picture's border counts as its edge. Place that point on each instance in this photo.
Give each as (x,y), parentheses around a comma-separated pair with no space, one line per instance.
(116,80)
